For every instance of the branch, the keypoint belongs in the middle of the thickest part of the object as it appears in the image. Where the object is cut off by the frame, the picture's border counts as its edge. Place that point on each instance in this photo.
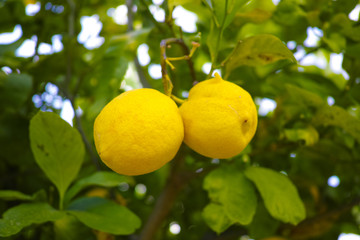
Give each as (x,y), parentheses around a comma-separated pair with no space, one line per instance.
(68,77)
(149,14)
(221,28)
(164,60)
(88,146)
(71,35)
(320,224)
(177,179)
(139,70)
(175,183)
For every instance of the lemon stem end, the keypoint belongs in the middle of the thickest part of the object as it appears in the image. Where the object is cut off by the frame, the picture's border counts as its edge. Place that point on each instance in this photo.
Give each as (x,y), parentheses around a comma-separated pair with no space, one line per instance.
(218,77)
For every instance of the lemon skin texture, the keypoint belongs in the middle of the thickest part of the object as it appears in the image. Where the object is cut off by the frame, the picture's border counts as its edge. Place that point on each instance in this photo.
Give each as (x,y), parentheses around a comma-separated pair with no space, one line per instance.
(138,132)
(220,118)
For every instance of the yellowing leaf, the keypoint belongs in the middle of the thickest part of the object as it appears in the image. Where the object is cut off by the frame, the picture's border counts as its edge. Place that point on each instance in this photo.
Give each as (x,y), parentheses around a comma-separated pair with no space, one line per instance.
(256,51)
(309,135)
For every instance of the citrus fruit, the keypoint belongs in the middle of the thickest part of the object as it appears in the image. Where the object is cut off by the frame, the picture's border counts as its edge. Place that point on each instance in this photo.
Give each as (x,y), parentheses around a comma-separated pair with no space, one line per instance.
(220,118)
(138,131)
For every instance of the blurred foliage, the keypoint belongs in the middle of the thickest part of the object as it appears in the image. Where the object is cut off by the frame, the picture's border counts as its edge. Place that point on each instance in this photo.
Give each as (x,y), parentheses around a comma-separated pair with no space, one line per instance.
(306,138)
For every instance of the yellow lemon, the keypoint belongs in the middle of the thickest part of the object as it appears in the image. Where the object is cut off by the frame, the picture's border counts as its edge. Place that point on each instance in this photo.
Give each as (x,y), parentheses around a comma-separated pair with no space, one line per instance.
(138,132)
(220,118)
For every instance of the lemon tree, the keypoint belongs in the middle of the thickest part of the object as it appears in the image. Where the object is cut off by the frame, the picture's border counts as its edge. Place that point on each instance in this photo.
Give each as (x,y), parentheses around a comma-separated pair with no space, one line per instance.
(118,121)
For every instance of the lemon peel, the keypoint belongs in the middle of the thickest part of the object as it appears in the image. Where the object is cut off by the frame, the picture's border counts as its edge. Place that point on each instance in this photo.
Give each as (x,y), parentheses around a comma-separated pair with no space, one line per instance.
(220,118)
(138,132)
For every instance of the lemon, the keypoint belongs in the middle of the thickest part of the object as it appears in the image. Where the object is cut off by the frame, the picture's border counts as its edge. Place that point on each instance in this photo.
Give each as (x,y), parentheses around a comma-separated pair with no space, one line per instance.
(138,132)
(220,118)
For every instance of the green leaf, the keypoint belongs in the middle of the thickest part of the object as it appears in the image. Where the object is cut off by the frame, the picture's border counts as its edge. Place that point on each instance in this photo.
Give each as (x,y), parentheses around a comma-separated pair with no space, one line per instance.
(104,215)
(10,47)
(23,215)
(216,218)
(14,90)
(10,195)
(224,11)
(255,16)
(263,224)
(70,228)
(279,194)
(325,115)
(212,41)
(345,6)
(230,188)
(353,50)
(127,42)
(257,51)
(111,68)
(304,97)
(289,13)
(103,179)
(109,74)
(336,42)
(57,147)
(339,117)
(309,135)
(173,3)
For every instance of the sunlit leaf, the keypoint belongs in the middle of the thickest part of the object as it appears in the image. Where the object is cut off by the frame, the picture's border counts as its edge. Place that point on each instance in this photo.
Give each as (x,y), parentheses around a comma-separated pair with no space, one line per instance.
(279,194)
(255,16)
(57,147)
(223,14)
(224,11)
(216,218)
(229,188)
(212,41)
(256,51)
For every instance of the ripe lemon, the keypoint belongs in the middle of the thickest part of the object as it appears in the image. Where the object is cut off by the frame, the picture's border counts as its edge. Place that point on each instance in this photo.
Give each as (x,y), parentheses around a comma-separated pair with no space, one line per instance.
(138,132)
(220,118)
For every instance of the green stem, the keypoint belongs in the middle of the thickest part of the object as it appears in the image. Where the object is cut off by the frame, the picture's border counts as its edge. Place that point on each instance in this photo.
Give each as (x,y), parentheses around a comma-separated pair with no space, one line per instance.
(164,61)
(61,200)
(178,100)
(218,41)
(151,17)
